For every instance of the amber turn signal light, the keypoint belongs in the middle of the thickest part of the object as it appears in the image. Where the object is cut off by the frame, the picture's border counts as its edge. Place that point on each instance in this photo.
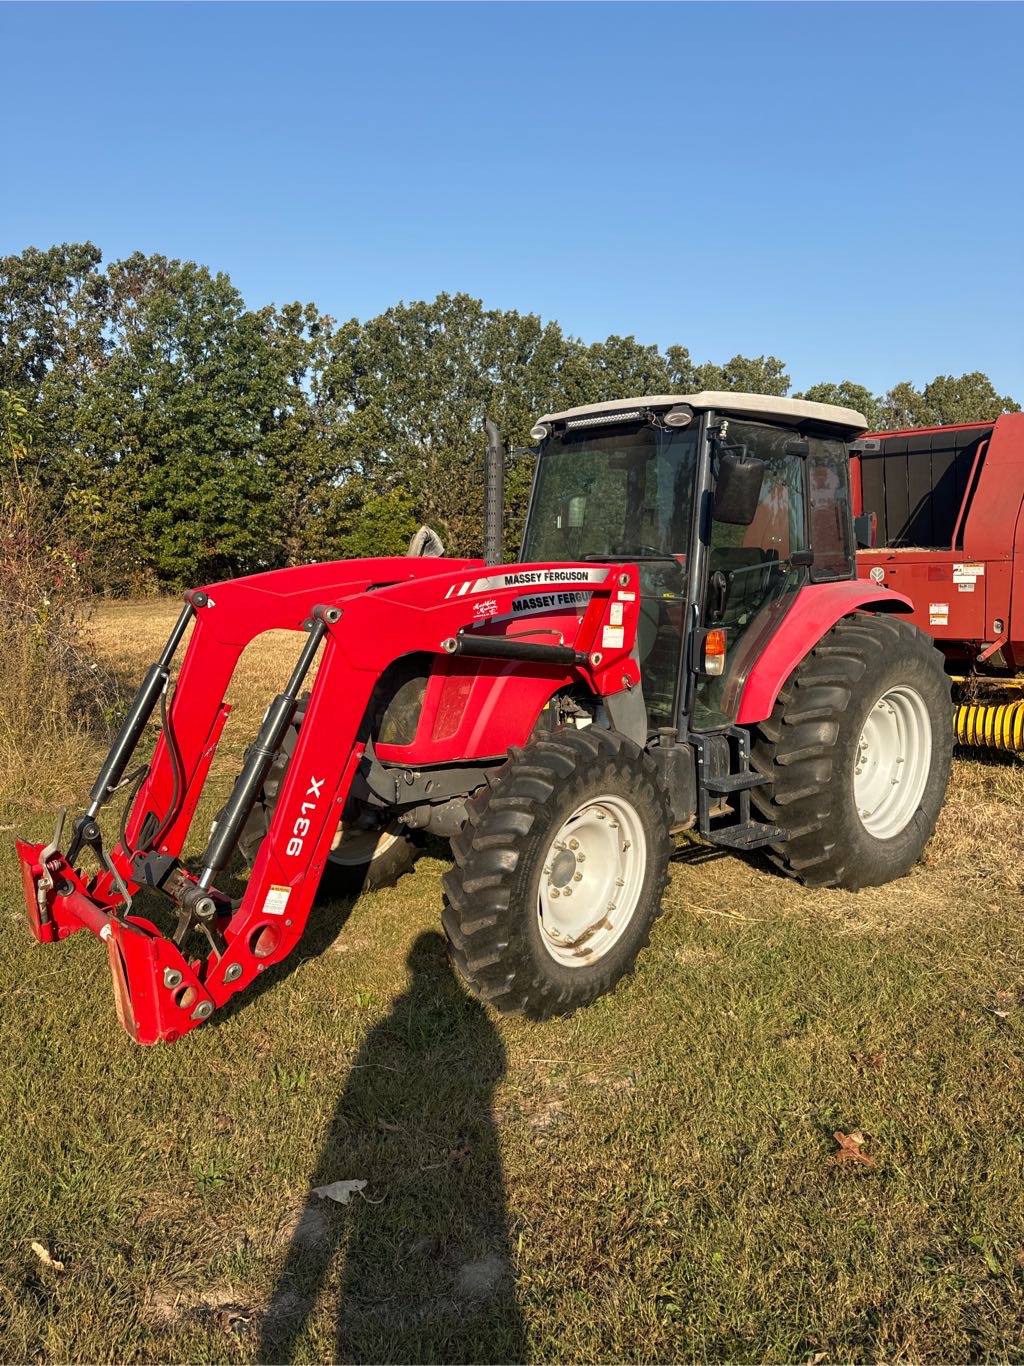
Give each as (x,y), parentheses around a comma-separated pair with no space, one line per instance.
(714,652)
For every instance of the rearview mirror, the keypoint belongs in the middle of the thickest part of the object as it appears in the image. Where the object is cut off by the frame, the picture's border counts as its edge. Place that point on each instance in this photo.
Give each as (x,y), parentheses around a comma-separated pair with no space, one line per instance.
(572,512)
(738,488)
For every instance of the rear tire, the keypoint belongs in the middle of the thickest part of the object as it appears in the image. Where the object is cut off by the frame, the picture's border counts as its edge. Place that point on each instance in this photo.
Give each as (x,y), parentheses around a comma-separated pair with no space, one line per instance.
(858,750)
(559,873)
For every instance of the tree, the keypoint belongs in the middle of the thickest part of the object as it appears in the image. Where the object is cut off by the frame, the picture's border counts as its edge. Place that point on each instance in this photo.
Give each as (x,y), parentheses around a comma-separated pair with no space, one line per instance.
(846,395)
(415,385)
(185,437)
(946,401)
(193,429)
(903,406)
(51,313)
(616,368)
(746,374)
(972,397)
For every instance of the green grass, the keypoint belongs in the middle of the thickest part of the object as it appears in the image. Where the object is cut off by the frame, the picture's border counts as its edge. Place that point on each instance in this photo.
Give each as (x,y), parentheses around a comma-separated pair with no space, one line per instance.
(652,1180)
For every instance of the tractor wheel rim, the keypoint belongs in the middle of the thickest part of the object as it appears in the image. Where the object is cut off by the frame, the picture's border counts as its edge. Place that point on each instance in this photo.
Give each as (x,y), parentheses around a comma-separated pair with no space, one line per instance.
(354,847)
(591,881)
(892,763)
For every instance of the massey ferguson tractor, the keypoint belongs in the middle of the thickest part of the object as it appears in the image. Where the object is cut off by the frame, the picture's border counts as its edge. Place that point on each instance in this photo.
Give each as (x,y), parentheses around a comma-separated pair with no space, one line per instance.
(683,643)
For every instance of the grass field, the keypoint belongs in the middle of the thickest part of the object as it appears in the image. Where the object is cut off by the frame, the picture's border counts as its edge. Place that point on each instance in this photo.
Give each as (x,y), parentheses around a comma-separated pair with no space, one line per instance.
(656,1179)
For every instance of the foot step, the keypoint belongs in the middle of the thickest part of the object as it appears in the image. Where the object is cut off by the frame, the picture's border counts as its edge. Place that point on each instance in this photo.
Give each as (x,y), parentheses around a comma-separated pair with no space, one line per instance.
(735,782)
(750,835)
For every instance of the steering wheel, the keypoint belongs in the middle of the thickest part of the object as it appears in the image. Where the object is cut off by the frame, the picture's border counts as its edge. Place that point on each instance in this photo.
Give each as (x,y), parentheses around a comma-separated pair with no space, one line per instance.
(652,551)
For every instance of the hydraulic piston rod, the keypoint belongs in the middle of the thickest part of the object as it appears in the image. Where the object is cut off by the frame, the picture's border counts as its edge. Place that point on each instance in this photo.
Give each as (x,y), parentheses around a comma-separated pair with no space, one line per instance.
(85,828)
(138,714)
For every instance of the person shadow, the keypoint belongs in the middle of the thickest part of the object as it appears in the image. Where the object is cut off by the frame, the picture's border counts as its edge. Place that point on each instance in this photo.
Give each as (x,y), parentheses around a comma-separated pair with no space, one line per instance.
(419,1262)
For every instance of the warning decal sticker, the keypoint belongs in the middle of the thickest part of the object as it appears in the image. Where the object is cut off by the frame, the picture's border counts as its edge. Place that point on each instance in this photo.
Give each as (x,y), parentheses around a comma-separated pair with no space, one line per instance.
(276,900)
(938,614)
(967,573)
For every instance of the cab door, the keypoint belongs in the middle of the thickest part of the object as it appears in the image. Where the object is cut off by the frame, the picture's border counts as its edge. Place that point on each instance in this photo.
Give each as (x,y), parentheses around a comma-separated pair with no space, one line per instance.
(754,571)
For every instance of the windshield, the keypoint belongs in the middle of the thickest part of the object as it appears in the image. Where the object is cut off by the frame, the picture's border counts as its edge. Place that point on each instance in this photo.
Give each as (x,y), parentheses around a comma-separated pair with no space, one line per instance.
(613,495)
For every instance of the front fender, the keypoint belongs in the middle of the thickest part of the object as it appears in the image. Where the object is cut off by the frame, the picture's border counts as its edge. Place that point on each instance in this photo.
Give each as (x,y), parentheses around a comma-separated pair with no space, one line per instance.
(816,610)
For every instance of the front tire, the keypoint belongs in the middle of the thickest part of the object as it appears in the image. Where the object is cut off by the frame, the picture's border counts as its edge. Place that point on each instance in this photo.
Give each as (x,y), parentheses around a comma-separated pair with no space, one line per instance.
(858,751)
(559,873)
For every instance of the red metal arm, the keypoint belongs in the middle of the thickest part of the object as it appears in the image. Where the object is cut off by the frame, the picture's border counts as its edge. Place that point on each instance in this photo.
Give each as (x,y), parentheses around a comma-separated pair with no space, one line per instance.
(415,606)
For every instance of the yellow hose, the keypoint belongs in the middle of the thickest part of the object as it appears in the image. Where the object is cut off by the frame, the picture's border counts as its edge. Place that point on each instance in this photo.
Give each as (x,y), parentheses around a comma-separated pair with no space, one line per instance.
(989,725)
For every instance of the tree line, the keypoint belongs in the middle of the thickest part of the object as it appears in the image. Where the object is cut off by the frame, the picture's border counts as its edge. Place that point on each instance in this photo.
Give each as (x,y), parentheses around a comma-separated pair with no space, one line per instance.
(178,436)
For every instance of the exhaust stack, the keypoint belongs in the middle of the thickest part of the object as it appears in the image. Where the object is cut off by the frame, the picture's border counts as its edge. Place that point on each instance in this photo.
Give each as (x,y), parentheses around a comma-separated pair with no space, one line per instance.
(494,494)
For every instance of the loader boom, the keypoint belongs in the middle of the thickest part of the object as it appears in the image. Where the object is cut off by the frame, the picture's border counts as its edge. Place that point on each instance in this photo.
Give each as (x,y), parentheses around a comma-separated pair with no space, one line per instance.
(366,614)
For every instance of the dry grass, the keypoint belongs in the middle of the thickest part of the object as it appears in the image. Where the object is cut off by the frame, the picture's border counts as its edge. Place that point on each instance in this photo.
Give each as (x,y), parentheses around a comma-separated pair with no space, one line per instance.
(652,1180)
(52,695)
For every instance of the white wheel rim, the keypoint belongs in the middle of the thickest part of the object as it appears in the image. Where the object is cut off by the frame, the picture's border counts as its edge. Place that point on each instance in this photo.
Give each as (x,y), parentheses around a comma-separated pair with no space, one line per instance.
(591,880)
(894,756)
(350,848)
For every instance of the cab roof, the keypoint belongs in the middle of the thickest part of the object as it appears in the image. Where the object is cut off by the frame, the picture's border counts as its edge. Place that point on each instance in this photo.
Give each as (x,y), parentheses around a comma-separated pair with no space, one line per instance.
(794,411)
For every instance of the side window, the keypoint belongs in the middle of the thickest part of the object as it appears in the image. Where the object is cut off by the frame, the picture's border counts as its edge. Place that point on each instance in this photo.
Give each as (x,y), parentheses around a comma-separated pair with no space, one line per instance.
(778,525)
(828,494)
(755,559)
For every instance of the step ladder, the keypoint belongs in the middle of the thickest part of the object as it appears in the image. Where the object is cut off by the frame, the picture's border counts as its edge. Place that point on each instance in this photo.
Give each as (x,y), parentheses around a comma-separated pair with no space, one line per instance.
(723,771)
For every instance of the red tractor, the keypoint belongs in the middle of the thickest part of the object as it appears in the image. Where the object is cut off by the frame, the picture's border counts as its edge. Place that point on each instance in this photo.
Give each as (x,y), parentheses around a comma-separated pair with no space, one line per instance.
(683,643)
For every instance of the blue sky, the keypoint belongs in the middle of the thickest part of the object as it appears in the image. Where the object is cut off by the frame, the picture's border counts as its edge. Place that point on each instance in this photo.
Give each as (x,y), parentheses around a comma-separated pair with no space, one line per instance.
(837,184)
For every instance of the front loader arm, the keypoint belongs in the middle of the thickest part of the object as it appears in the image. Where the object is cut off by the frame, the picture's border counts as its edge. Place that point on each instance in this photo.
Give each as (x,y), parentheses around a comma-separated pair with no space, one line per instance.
(365,614)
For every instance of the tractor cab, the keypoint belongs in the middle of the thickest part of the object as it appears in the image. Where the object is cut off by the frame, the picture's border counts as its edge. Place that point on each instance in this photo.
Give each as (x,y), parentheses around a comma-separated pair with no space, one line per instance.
(727,503)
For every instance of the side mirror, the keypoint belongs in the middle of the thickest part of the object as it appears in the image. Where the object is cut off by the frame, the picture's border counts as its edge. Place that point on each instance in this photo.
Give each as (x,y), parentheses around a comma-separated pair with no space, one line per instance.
(865,530)
(738,488)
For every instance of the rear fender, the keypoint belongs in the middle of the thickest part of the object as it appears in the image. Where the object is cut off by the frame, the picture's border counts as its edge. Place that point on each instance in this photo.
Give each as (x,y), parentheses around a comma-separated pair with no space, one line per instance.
(815,611)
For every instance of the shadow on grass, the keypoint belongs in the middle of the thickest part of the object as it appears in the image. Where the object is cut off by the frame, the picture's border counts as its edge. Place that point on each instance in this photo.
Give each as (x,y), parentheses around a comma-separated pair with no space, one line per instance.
(694,854)
(691,854)
(418,1264)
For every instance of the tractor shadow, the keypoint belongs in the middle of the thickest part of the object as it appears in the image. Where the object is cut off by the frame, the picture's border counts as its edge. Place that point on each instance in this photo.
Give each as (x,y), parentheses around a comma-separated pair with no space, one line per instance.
(418,1264)
(691,853)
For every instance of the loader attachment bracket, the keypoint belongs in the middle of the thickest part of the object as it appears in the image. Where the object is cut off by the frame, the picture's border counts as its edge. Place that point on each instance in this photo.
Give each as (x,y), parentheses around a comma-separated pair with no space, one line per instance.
(157,993)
